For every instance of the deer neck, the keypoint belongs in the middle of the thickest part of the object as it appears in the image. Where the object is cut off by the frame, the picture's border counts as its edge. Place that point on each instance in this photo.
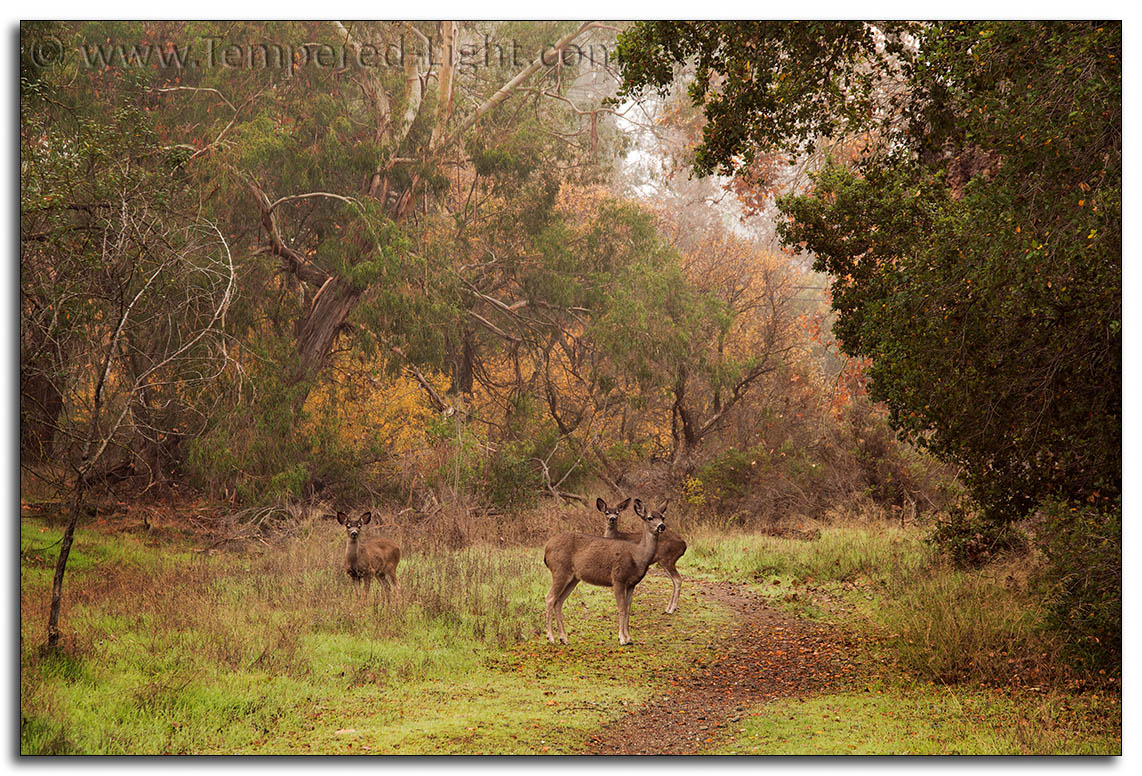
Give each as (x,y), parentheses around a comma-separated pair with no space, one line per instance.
(612,532)
(351,551)
(646,548)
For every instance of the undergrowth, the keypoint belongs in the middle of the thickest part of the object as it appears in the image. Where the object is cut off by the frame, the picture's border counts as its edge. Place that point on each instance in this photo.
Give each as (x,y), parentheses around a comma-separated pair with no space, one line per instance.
(167,649)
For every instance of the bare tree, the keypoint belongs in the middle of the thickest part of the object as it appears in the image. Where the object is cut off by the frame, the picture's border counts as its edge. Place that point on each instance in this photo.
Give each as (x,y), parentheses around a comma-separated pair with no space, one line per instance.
(133,326)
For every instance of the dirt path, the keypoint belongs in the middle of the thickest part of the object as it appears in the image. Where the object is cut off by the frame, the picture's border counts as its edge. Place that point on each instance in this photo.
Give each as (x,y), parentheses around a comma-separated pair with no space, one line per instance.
(767,655)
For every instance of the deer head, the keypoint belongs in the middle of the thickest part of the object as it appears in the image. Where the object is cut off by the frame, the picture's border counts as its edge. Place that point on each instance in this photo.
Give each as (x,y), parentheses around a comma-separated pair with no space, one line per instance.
(353,527)
(656,520)
(612,515)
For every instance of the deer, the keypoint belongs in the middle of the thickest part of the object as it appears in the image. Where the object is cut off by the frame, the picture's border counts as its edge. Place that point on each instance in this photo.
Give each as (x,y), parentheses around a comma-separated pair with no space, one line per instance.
(671,546)
(368,558)
(596,560)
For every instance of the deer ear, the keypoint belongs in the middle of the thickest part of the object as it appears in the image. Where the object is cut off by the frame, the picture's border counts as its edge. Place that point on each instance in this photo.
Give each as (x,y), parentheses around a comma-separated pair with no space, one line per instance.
(341,517)
(600,505)
(623,505)
(639,509)
(365,518)
(662,510)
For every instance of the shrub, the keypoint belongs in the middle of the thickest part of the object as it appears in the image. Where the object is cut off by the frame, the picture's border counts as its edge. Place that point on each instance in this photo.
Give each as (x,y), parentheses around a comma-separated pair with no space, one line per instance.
(512,480)
(1081,580)
(971,539)
(727,476)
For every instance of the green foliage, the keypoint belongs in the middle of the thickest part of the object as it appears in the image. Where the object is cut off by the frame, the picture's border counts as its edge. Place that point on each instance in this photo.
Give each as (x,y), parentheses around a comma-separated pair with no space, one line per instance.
(972,538)
(512,477)
(974,244)
(764,86)
(509,261)
(727,476)
(268,450)
(1082,580)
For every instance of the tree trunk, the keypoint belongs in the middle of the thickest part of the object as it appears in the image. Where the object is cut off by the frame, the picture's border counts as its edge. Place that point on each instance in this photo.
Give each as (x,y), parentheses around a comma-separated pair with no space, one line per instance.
(318,330)
(462,377)
(41,400)
(61,562)
(683,428)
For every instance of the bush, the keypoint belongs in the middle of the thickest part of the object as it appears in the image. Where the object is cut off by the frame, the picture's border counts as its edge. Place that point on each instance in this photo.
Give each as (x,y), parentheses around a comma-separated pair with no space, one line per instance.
(727,477)
(971,539)
(1081,580)
(513,480)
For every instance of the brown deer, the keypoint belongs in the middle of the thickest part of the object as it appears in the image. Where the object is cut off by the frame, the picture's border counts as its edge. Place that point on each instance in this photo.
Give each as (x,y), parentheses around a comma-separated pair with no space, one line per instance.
(596,560)
(671,546)
(368,558)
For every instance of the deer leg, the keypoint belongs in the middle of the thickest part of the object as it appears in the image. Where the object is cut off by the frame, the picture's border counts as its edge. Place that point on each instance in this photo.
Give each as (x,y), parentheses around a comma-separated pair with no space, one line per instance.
(630,597)
(559,608)
(557,586)
(623,601)
(676,581)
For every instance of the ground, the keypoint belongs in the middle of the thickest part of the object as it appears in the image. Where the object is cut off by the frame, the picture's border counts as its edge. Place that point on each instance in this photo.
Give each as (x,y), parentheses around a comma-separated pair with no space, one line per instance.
(780,646)
(768,655)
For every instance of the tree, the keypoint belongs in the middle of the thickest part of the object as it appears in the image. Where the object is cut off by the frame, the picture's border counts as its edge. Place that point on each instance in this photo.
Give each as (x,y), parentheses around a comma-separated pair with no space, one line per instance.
(344,192)
(334,167)
(766,86)
(125,290)
(974,242)
(744,333)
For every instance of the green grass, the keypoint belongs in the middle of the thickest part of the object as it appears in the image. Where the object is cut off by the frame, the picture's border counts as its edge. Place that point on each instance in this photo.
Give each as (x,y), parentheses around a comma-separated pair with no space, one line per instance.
(934,720)
(265,652)
(166,650)
(824,579)
(939,623)
(937,642)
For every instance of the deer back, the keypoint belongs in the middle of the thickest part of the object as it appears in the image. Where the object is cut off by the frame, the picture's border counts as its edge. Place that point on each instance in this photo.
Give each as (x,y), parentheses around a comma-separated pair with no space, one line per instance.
(377,556)
(594,559)
(671,545)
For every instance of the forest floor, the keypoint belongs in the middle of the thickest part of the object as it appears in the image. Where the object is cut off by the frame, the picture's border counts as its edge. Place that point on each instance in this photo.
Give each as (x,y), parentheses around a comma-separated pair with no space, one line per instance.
(780,645)
(766,655)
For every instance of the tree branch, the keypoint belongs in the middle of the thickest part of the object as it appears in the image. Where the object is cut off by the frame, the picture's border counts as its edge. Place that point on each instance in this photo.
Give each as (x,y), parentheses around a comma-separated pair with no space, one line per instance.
(294,262)
(506,90)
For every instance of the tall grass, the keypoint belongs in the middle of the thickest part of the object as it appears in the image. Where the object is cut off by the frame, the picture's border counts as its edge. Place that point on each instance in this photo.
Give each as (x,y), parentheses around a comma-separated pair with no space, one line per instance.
(841,553)
(953,625)
(264,649)
(233,643)
(938,622)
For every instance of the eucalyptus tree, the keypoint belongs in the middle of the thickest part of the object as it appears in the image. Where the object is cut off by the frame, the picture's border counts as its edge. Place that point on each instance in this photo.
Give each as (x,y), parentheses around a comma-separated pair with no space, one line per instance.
(329,164)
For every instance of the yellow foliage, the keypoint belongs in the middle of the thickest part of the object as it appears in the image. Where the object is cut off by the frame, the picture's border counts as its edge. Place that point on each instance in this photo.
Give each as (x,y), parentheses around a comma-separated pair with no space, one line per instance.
(694,492)
(372,408)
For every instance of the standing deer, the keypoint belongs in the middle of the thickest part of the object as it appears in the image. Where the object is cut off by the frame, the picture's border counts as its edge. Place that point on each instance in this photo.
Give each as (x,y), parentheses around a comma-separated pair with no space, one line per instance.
(368,558)
(596,560)
(671,546)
